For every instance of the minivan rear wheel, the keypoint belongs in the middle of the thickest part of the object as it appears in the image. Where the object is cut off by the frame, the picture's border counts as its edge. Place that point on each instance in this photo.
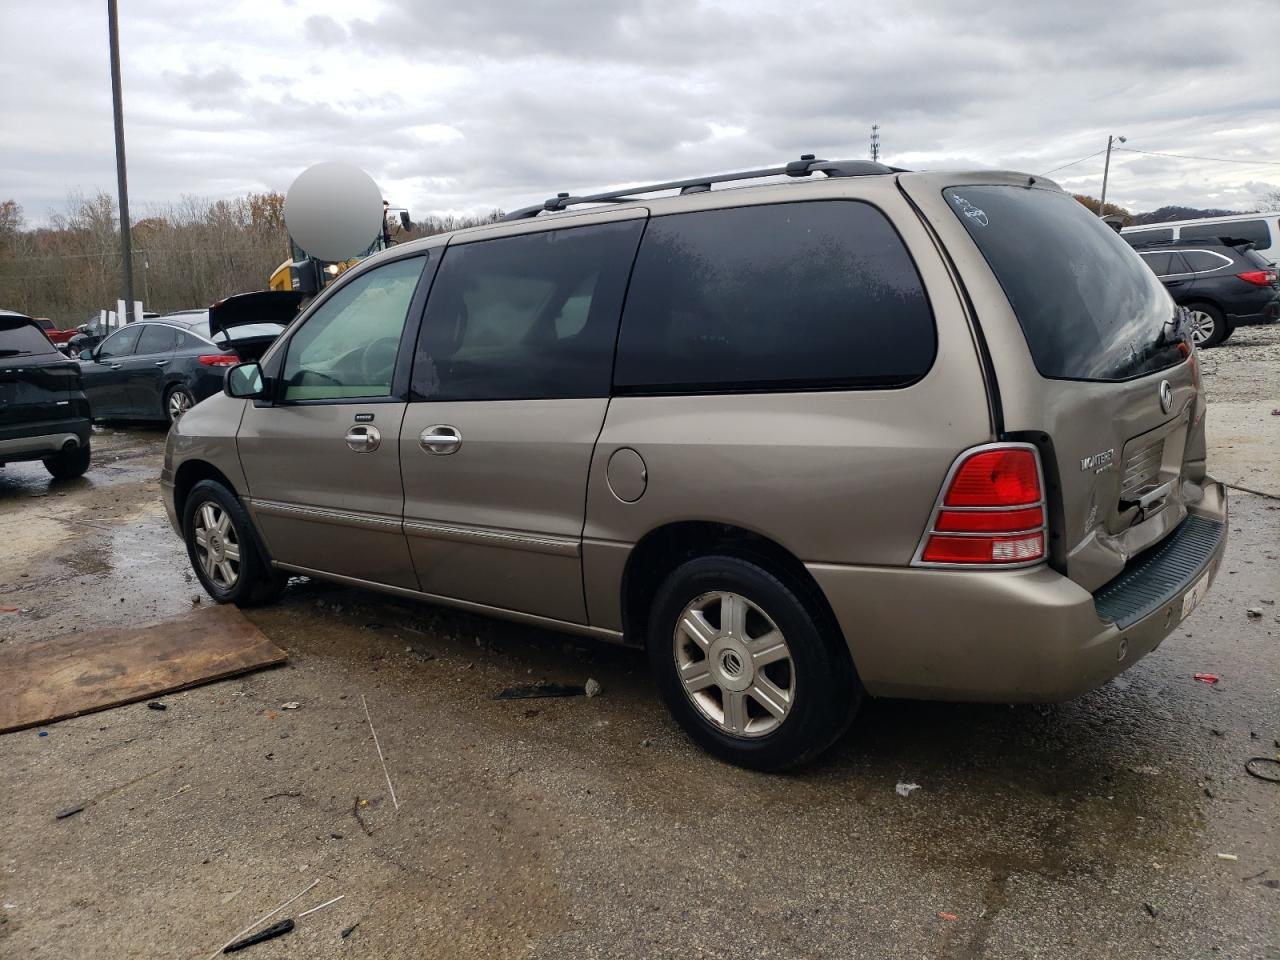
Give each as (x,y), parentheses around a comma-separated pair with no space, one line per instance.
(1208,325)
(222,549)
(744,666)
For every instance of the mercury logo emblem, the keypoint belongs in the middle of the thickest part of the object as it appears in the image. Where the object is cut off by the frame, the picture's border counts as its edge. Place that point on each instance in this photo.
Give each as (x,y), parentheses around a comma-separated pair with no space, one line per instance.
(731,663)
(1166,396)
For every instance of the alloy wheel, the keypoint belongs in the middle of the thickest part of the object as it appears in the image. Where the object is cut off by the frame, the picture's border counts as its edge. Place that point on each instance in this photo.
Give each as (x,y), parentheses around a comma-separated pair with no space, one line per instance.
(217,548)
(179,403)
(1201,326)
(734,664)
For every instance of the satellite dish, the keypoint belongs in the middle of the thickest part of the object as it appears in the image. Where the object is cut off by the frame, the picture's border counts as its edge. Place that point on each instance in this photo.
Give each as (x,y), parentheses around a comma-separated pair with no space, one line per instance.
(333,211)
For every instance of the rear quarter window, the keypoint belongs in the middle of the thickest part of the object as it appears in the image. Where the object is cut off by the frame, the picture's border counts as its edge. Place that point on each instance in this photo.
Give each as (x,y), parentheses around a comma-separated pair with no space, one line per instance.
(1089,308)
(789,296)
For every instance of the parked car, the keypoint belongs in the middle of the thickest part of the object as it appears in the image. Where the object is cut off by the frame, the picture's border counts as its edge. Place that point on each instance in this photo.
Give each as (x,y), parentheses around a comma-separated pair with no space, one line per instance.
(1224,283)
(95,330)
(58,338)
(43,411)
(875,432)
(159,369)
(1261,229)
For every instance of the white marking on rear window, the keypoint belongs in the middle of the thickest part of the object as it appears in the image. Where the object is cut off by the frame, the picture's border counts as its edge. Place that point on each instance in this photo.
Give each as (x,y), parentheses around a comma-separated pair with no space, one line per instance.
(976,214)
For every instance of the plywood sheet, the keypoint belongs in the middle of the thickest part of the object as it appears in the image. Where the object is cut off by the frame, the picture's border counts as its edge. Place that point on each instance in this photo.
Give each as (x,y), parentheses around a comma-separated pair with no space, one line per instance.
(95,670)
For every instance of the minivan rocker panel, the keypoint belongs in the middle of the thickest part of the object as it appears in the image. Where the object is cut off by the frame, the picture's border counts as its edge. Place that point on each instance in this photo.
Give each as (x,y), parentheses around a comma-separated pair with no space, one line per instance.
(800,441)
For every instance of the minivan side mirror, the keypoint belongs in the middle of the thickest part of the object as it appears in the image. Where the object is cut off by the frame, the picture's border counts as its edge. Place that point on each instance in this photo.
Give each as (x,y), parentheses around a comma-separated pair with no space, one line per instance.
(86,354)
(245,382)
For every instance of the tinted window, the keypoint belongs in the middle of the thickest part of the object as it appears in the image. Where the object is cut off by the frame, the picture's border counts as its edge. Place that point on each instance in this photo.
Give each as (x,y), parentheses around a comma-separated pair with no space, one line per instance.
(1256,259)
(526,317)
(21,339)
(1088,307)
(347,348)
(786,296)
(1254,230)
(1201,261)
(157,338)
(1138,237)
(120,343)
(1161,264)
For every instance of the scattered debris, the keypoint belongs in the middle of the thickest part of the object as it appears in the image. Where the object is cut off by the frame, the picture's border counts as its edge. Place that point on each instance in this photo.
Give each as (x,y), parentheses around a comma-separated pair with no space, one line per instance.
(1254,613)
(43,733)
(646,742)
(350,930)
(69,812)
(285,793)
(181,790)
(1228,856)
(327,903)
(291,705)
(1272,776)
(541,689)
(262,920)
(378,747)
(273,931)
(1276,412)
(8,609)
(1207,677)
(1146,771)
(592,689)
(1151,911)
(943,915)
(904,789)
(157,705)
(355,812)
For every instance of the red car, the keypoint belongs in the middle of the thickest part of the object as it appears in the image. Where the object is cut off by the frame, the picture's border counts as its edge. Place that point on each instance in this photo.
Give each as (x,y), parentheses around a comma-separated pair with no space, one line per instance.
(57,337)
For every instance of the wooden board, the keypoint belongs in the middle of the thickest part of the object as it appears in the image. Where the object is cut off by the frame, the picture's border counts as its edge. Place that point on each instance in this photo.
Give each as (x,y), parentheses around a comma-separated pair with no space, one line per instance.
(83,672)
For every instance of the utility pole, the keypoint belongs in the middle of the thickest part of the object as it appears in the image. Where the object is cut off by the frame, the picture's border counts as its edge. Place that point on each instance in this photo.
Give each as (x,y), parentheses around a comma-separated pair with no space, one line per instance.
(875,143)
(122,183)
(1106,169)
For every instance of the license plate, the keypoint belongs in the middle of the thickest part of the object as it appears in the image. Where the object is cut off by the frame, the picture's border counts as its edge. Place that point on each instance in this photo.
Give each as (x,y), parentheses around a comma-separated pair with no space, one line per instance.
(1191,599)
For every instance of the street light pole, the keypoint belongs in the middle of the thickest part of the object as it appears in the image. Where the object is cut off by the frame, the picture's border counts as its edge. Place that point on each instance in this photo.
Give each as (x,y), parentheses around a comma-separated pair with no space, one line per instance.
(126,250)
(1106,169)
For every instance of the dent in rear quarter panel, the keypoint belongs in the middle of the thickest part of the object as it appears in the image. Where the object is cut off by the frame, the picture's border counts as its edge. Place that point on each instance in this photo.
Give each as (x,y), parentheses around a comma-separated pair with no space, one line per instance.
(838,477)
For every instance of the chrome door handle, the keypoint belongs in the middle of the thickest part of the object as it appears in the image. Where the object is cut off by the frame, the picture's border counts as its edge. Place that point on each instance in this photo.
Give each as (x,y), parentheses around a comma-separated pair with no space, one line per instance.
(114,366)
(440,439)
(363,439)
(161,363)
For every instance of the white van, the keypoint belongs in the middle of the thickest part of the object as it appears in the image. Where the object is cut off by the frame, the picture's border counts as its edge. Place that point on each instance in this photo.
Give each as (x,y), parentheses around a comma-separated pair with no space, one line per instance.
(1262,228)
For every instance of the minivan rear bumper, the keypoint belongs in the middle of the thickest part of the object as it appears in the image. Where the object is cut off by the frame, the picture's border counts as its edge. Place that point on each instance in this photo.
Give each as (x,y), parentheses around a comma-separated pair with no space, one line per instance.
(1019,635)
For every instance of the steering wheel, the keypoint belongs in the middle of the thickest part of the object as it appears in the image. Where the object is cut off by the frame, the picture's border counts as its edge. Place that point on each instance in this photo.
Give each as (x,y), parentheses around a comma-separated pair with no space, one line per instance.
(378,360)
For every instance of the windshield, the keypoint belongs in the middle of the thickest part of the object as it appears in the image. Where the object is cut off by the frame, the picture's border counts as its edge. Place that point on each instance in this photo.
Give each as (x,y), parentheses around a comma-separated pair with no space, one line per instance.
(21,338)
(1090,309)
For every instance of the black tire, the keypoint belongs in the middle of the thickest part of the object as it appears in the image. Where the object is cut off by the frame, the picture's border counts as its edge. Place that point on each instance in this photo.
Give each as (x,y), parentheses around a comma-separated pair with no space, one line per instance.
(177,395)
(70,464)
(1220,329)
(254,582)
(823,685)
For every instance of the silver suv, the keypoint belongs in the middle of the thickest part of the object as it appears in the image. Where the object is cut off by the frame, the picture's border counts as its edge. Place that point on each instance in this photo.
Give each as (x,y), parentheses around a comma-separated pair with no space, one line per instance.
(842,430)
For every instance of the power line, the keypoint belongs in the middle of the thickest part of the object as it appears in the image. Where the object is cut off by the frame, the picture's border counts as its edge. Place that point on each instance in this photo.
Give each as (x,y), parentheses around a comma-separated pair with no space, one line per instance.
(1183,156)
(1074,162)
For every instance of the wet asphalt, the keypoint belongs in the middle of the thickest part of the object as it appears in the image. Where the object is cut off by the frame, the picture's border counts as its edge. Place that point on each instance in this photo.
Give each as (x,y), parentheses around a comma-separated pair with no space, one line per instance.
(591,827)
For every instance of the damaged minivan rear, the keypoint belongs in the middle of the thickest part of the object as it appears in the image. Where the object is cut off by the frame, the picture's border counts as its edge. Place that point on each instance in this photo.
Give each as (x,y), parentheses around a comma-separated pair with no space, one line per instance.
(836,430)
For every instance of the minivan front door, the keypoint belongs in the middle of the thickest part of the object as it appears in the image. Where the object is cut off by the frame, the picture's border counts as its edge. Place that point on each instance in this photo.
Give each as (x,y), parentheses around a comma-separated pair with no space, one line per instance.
(322,459)
(509,391)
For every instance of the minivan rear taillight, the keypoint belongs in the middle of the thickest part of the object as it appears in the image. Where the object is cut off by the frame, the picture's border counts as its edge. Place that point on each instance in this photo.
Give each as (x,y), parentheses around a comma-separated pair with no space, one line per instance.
(991,511)
(1259,278)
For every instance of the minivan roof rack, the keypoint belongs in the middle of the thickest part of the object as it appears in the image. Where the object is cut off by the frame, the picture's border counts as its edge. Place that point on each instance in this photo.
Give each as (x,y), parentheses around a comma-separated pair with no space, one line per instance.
(807,165)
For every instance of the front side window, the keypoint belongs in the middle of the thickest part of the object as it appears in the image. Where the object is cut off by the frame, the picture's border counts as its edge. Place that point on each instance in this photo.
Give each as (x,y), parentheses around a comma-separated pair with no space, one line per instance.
(1254,231)
(347,348)
(787,296)
(1088,307)
(119,344)
(527,317)
(157,338)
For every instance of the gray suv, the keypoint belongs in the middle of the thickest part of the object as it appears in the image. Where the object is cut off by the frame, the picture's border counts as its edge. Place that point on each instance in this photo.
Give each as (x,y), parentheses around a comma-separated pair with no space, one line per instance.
(835,430)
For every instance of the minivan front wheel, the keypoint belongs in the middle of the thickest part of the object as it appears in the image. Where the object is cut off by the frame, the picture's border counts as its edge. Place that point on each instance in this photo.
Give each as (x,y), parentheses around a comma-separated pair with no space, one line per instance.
(743,665)
(222,551)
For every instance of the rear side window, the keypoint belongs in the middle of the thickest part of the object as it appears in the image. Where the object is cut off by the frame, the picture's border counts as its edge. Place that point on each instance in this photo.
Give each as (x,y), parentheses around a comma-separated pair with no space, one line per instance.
(1161,264)
(526,317)
(1203,261)
(18,338)
(1088,307)
(1253,230)
(1136,238)
(157,338)
(790,296)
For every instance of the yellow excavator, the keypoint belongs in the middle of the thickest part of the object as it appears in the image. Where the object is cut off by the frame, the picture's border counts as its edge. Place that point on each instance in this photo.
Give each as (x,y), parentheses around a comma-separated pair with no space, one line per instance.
(303,273)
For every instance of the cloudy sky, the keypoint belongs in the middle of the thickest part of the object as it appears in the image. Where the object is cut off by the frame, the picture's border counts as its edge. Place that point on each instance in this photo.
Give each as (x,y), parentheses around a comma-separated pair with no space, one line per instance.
(470,104)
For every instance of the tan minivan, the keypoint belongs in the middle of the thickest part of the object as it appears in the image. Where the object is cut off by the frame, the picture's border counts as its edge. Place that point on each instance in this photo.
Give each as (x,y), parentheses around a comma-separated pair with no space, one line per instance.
(805,433)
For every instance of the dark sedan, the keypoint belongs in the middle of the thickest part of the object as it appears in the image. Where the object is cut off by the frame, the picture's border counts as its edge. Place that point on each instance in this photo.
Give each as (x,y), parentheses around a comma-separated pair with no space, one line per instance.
(1224,283)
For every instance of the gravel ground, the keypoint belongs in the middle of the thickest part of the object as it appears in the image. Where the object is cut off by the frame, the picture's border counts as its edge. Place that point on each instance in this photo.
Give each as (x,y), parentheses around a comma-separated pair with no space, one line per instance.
(591,827)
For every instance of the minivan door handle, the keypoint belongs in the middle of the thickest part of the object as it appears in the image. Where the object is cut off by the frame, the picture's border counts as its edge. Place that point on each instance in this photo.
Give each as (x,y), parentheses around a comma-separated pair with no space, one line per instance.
(440,439)
(363,438)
